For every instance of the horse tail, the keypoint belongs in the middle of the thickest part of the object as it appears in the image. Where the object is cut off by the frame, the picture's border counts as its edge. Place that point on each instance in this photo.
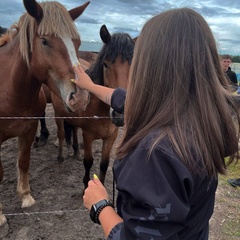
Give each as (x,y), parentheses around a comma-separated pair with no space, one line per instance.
(68,132)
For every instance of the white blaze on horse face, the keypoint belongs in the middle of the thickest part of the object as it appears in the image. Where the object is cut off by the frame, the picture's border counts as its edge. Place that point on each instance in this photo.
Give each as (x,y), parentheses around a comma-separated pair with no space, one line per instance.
(79,100)
(71,50)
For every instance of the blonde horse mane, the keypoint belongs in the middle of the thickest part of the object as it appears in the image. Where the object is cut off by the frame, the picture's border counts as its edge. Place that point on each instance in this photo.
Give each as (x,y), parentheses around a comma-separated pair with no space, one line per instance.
(56,21)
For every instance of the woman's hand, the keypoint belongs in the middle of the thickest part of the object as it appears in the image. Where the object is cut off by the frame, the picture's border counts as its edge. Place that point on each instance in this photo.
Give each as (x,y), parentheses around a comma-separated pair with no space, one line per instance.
(82,80)
(94,193)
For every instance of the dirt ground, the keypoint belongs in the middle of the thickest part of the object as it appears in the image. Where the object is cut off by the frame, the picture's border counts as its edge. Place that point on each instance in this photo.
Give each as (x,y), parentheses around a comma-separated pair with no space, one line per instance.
(59,213)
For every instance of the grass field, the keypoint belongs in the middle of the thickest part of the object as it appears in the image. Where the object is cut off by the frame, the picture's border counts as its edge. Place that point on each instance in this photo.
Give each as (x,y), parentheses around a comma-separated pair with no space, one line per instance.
(225,224)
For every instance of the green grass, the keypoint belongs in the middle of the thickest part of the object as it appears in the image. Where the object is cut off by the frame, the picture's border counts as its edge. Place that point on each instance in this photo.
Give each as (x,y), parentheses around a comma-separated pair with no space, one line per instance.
(233,170)
(229,198)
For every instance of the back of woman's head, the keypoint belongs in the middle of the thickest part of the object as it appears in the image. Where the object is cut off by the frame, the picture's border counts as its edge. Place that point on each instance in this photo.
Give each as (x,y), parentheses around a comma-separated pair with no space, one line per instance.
(177,85)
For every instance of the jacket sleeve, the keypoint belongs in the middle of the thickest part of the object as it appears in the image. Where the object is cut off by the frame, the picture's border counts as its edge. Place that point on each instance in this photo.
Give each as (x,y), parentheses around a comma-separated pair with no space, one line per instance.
(118,100)
(154,196)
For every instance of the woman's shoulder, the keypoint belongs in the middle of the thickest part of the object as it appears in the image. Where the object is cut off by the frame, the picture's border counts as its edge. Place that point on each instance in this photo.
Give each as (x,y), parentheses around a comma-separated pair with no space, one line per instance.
(153,141)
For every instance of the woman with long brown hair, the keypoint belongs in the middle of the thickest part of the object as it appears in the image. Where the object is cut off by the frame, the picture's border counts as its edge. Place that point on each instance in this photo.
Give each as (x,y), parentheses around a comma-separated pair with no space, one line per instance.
(178,130)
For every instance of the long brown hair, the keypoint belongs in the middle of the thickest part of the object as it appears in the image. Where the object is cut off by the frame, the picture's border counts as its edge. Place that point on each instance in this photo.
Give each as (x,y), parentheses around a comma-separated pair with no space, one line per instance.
(177,88)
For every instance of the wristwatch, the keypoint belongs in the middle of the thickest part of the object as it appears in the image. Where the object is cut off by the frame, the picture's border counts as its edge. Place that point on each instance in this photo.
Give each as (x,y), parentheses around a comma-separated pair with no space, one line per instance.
(97,208)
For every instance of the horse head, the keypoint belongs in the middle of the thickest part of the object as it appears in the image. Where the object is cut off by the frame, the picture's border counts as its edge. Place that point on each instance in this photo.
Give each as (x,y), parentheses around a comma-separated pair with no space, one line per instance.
(112,65)
(117,57)
(52,49)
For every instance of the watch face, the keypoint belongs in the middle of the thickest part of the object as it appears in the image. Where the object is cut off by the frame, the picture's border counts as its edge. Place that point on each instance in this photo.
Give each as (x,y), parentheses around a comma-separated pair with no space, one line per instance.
(95,207)
(99,204)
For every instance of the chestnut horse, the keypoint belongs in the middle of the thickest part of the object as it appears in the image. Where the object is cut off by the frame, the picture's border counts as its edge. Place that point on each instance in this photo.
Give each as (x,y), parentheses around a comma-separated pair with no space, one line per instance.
(40,48)
(111,69)
(86,58)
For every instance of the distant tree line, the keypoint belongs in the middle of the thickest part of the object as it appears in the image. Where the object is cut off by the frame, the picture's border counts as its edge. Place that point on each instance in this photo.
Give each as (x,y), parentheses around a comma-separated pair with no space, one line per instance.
(236,59)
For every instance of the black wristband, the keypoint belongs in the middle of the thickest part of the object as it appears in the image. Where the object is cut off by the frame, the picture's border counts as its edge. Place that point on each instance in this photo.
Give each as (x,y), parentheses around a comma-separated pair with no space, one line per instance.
(97,208)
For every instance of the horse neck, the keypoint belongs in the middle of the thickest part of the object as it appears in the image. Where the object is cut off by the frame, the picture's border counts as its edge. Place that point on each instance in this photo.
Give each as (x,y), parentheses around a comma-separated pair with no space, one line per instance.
(100,108)
(15,76)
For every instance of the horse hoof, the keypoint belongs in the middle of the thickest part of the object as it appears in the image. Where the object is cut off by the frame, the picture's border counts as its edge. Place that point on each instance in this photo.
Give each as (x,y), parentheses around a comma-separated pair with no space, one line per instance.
(60,159)
(76,156)
(27,201)
(42,140)
(35,145)
(3,219)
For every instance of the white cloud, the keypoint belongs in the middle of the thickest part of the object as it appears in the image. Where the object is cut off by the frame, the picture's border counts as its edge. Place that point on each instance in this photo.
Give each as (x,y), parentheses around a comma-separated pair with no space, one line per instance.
(129,16)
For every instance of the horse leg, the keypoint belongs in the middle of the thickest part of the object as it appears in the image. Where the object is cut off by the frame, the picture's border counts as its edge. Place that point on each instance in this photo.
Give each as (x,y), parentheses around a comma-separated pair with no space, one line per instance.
(68,130)
(72,132)
(106,150)
(60,134)
(88,158)
(75,144)
(24,148)
(44,133)
(3,219)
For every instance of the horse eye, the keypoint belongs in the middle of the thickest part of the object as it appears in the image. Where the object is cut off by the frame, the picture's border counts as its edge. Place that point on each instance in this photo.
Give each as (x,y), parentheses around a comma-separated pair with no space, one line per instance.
(105,65)
(44,41)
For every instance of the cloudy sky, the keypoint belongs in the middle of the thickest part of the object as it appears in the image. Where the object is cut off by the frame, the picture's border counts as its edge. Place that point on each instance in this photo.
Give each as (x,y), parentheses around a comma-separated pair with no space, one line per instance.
(129,16)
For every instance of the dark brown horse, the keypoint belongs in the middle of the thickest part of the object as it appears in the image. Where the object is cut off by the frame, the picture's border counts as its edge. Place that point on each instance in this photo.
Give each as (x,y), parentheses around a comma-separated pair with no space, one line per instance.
(111,69)
(40,48)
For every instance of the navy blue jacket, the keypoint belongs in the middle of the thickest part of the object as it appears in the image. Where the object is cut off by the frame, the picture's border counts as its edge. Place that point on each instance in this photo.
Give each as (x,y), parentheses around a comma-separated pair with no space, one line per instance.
(117,104)
(159,198)
(118,100)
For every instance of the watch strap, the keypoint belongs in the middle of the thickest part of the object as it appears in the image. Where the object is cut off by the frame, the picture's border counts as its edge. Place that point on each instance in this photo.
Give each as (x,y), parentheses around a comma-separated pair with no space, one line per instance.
(97,209)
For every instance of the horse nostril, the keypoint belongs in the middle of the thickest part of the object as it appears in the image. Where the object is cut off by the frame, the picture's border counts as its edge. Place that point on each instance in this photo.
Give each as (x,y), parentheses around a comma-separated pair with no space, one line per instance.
(71,96)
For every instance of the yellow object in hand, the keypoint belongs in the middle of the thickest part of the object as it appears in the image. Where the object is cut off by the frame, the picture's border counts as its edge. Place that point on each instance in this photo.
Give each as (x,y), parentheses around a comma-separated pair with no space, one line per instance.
(95,176)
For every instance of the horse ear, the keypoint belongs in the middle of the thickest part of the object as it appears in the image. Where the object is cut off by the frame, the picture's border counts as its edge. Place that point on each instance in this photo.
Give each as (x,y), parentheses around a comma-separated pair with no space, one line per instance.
(34,9)
(76,12)
(105,35)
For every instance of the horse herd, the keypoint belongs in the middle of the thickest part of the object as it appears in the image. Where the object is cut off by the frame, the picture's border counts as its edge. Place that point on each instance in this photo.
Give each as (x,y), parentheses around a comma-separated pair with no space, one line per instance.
(36,57)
